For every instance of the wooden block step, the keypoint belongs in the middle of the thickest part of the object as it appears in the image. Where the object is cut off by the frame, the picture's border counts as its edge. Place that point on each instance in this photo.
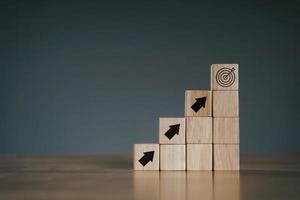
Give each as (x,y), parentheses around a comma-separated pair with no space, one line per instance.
(172,130)
(225,104)
(172,157)
(198,103)
(226,157)
(226,130)
(199,156)
(146,157)
(198,130)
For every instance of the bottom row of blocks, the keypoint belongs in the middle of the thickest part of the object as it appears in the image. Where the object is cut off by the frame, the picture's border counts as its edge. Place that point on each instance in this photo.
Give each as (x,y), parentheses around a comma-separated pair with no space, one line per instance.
(186,157)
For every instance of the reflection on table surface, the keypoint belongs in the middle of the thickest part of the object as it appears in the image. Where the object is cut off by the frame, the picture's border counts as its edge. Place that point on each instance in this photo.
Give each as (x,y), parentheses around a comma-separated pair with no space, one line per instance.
(186,185)
(98,177)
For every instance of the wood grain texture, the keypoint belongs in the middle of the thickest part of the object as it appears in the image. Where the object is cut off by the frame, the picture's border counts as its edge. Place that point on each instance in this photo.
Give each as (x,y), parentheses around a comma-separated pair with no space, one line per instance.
(214,72)
(226,156)
(190,99)
(225,103)
(172,157)
(138,153)
(199,156)
(226,130)
(164,126)
(198,130)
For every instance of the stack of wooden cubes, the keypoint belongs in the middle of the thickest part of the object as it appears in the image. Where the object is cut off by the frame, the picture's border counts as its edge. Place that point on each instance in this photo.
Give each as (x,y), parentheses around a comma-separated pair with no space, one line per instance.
(207,137)
(198,114)
(225,88)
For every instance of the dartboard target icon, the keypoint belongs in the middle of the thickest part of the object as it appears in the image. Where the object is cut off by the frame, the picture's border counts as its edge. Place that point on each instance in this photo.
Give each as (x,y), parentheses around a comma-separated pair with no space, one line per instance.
(225,76)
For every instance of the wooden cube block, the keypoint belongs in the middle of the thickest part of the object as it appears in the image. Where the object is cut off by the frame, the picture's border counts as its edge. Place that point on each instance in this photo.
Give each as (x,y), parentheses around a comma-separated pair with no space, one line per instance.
(226,156)
(199,156)
(198,103)
(146,157)
(224,77)
(172,157)
(226,130)
(198,130)
(172,185)
(225,103)
(172,130)
(146,185)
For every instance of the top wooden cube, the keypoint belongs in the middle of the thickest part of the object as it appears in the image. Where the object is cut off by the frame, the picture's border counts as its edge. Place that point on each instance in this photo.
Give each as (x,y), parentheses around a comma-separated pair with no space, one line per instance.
(224,77)
(198,103)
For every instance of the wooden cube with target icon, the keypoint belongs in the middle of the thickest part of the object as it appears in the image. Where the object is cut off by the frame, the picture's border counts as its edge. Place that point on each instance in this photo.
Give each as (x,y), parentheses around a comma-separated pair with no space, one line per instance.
(171,130)
(146,157)
(225,77)
(198,103)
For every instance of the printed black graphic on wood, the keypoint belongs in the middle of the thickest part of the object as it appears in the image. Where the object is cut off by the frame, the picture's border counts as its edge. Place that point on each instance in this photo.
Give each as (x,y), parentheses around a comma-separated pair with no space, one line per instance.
(147,157)
(173,130)
(200,102)
(225,76)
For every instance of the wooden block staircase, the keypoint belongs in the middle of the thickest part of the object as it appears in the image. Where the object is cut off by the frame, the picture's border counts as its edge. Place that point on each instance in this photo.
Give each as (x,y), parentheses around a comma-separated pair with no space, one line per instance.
(207,138)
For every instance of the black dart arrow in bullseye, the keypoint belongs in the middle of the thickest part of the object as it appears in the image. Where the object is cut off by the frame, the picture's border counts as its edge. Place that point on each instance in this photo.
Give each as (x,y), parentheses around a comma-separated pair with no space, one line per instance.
(200,102)
(148,156)
(174,129)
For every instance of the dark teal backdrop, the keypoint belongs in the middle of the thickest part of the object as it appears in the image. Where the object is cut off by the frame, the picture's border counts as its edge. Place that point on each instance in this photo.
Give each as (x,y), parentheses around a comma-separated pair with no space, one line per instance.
(93,77)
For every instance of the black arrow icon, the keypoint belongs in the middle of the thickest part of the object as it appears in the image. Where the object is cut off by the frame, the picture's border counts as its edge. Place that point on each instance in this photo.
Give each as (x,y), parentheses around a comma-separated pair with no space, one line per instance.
(174,129)
(200,102)
(147,157)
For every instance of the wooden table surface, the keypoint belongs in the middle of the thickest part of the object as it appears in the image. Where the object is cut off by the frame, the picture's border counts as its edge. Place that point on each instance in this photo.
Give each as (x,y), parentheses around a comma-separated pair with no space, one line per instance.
(112,177)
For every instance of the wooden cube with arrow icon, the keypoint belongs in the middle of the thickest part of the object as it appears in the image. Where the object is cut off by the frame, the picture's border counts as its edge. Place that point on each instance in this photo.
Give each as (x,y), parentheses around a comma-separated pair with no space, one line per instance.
(146,157)
(198,103)
(171,130)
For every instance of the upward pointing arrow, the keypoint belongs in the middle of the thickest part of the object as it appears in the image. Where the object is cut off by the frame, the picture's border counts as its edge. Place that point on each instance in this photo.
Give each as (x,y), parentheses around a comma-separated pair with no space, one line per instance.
(174,129)
(200,102)
(147,157)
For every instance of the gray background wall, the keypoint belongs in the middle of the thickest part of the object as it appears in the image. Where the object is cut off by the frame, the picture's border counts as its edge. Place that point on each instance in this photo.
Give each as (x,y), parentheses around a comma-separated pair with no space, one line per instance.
(92,77)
